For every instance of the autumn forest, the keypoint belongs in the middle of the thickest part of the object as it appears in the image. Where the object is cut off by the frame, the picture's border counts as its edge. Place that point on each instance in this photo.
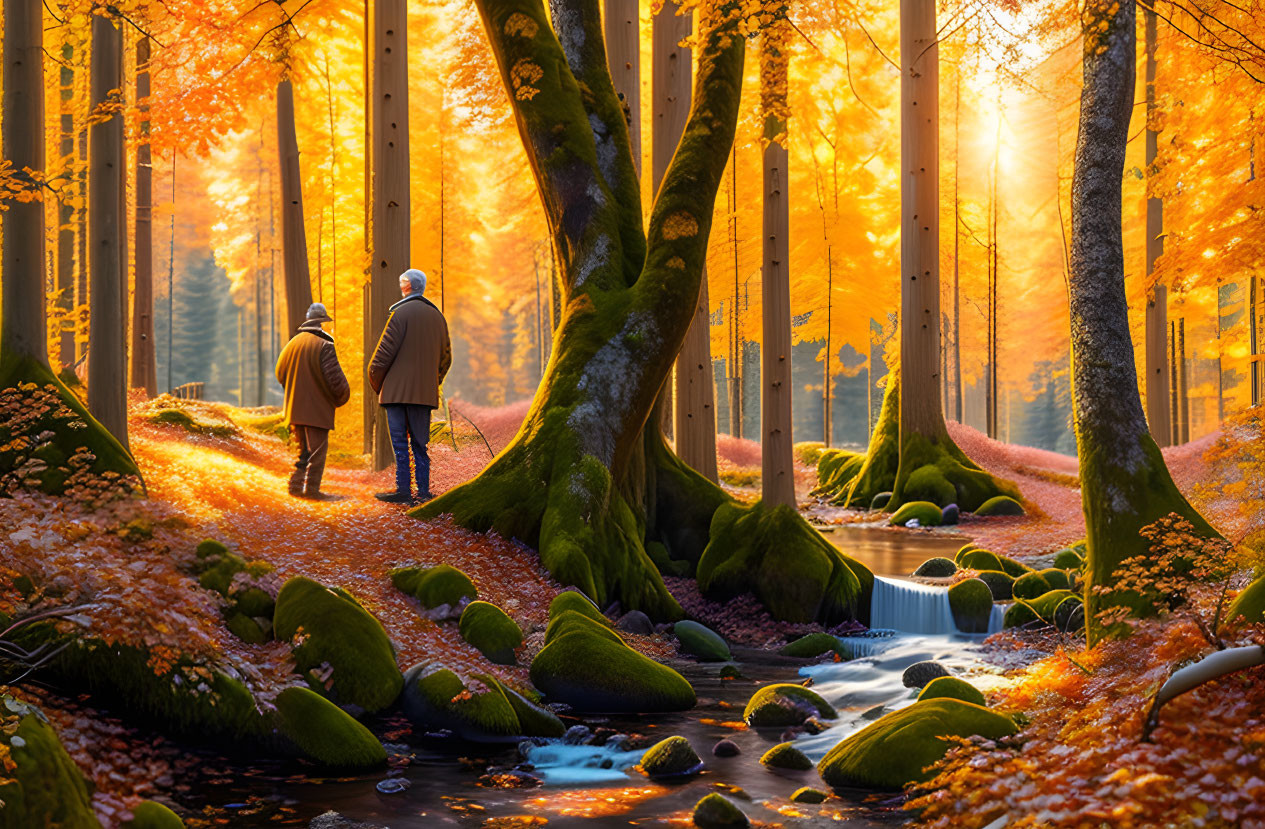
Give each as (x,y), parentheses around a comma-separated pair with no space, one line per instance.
(724,413)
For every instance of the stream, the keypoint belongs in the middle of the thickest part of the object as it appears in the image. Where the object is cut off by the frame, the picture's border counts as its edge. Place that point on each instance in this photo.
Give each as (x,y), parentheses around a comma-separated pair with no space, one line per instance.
(437,781)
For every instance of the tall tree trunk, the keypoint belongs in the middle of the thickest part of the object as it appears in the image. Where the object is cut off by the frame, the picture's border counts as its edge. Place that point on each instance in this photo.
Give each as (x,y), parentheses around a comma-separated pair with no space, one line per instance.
(778,478)
(389,191)
(621,23)
(107,353)
(957,239)
(66,293)
(298,279)
(736,350)
(1156,359)
(144,360)
(1124,482)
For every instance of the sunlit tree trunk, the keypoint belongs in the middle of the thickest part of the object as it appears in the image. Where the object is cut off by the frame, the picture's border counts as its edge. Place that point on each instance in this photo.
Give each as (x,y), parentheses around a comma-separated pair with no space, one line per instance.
(389,191)
(778,472)
(1124,482)
(107,353)
(66,214)
(1156,336)
(144,360)
(298,279)
(621,22)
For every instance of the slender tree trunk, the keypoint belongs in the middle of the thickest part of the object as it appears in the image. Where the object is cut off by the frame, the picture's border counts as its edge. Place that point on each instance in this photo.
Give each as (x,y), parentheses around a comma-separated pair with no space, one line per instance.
(622,25)
(1124,482)
(66,293)
(107,353)
(298,279)
(957,239)
(1157,379)
(390,190)
(144,360)
(736,352)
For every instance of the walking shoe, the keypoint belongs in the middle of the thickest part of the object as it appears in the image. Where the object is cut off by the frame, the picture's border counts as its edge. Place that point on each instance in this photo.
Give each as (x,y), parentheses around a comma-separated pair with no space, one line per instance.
(394,497)
(296,492)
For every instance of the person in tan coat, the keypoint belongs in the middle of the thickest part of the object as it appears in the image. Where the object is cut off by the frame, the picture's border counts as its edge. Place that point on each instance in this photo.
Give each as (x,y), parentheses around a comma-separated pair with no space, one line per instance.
(314,386)
(410,362)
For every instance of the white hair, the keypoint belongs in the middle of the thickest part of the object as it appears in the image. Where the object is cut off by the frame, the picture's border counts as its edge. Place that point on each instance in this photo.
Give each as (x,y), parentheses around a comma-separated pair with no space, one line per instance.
(416,280)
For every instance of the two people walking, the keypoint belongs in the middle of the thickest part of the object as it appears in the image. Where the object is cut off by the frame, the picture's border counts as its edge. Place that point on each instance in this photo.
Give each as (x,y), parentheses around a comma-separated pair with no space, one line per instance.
(408,365)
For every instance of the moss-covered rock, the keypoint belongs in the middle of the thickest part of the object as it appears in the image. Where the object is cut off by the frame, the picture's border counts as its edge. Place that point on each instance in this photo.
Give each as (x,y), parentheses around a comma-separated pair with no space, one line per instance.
(480,710)
(927,513)
(1000,505)
(899,747)
(592,671)
(1248,606)
(786,757)
(701,641)
(1054,607)
(1001,584)
(794,572)
(807,794)
(435,586)
(43,787)
(152,815)
(927,483)
(671,758)
(578,602)
(783,704)
(951,687)
(1068,559)
(971,602)
(191,422)
(325,733)
(1057,579)
(880,500)
(936,568)
(337,631)
(492,631)
(1019,615)
(715,811)
(569,620)
(963,550)
(812,645)
(809,452)
(246,628)
(254,601)
(977,559)
(1030,585)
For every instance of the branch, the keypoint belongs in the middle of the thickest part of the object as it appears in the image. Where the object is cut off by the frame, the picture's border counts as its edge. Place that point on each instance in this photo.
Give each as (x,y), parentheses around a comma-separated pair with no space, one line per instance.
(1213,666)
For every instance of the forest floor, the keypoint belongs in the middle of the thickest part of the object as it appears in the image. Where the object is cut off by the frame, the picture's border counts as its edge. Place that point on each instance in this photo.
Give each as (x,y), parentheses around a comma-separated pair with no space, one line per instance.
(232,487)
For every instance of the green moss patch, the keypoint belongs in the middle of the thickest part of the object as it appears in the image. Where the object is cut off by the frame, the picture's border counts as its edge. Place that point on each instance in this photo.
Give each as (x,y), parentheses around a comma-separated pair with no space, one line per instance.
(936,568)
(786,757)
(1001,584)
(812,645)
(715,811)
(671,758)
(1000,505)
(190,422)
(1250,604)
(971,602)
(325,733)
(594,672)
(1068,559)
(701,641)
(784,704)
(794,572)
(435,586)
(329,627)
(951,687)
(481,709)
(1030,585)
(151,815)
(44,787)
(1057,579)
(900,747)
(927,483)
(927,513)
(492,631)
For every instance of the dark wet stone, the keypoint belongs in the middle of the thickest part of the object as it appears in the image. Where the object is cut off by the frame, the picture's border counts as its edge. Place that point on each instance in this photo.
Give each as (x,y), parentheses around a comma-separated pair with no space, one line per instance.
(874,713)
(637,742)
(634,621)
(333,820)
(602,736)
(950,514)
(812,725)
(726,748)
(577,735)
(920,673)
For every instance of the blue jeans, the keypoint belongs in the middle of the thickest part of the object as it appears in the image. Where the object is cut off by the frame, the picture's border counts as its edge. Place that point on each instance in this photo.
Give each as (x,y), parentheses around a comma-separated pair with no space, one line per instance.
(409,423)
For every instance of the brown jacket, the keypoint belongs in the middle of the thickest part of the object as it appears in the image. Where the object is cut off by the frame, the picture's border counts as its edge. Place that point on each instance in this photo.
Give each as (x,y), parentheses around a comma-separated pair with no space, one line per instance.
(313,380)
(413,354)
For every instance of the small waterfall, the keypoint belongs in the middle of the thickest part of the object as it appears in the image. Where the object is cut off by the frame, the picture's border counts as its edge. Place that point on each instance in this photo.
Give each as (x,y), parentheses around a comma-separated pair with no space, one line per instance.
(910,607)
(996,616)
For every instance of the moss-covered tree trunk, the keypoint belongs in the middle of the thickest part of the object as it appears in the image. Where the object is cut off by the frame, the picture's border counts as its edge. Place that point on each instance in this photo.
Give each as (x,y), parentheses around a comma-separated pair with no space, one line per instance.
(1124,482)
(580,481)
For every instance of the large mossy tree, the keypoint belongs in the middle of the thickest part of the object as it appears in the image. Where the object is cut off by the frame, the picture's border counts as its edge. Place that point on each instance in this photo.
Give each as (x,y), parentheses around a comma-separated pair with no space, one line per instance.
(1125,484)
(586,480)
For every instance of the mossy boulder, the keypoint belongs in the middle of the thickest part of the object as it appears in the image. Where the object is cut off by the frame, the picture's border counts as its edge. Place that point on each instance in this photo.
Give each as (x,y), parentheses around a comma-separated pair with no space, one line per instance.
(812,645)
(1000,505)
(927,513)
(246,628)
(971,602)
(1001,584)
(43,787)
(794,572)
(569,620)
(152,815)
(1057,579)
(325,733)
(786,757)
(701,641)
(1068,559)
(784,704)
(927,483)
(256,602)
(1249,606)
(337,631)
(807,794)
(899,747)
(482,709)
(809,452)
(492,631)
(1030,585)
(936,568)
(715,811)
(435,586)
(880,501)
(951,687)
(977,559)
(1060,608)
(592,670)
(963,550)
(577,601)
(671,758)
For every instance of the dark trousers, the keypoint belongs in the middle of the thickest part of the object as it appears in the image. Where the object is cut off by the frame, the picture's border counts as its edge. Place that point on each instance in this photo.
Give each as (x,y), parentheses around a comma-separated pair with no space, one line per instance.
(313,446)
(409,424)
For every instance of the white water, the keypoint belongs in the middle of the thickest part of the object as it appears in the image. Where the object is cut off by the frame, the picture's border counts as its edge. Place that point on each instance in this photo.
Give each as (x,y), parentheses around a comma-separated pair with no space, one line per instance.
(912,607)
(565,765)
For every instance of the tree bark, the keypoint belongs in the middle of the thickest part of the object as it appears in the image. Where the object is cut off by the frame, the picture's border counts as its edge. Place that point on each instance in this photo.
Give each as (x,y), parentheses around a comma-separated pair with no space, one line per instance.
(66,293)
(777,455)
(107,353)
(144,360)
(1124,482)
(389,193)
(1156,336)
(622,25)
(298,278)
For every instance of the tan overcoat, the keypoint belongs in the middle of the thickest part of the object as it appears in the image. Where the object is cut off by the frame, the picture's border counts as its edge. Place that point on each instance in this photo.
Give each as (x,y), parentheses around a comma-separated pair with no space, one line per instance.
(413,354)
(313,380)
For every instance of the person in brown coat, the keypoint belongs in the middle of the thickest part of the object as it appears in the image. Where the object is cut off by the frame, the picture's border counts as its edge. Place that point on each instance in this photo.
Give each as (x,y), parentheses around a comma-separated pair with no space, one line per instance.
(406,369)
(314,386)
